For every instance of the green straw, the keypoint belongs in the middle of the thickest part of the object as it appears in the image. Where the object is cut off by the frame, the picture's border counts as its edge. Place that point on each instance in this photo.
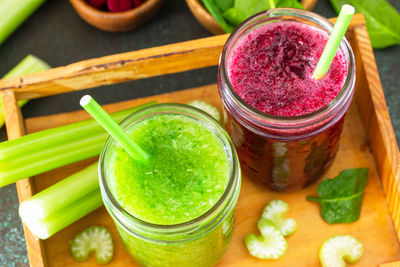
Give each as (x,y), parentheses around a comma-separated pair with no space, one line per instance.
(334,40)
(102,117)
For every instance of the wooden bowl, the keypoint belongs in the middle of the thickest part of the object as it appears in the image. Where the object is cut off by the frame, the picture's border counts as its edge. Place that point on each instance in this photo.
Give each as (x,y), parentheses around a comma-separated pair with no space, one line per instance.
(117,21)
(204,17)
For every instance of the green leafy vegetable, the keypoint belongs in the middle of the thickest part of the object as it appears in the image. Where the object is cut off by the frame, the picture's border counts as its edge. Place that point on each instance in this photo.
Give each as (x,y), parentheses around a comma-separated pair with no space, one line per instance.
(230,13)
(216,13)
(251,7)
(290,3)
(272,3)
(382,20)
(341,197)
(234,16)
(224,4)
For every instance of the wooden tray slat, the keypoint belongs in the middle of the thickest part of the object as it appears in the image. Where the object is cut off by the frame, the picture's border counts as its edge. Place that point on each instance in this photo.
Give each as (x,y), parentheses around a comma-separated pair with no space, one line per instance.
(25,187)
(376,120)
(118,68)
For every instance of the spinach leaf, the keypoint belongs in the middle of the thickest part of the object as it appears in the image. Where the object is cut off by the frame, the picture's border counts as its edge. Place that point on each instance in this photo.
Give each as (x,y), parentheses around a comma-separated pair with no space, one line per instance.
(224,4)
(216,13)
(251,7)
(290,3)
(341,197)
(234,16)
(383,21)
(229,16)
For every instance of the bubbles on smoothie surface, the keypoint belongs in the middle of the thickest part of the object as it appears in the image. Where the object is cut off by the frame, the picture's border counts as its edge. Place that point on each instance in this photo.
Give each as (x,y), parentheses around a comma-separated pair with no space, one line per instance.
(271,69)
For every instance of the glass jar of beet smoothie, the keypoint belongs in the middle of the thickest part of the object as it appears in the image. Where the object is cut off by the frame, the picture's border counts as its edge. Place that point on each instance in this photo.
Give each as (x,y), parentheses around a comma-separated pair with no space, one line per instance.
(176,209)
(284,124)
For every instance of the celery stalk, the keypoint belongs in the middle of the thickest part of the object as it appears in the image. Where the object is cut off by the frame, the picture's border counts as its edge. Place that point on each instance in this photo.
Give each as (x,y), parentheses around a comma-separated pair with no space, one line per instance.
(13,13)
(63,203)
(43,157)
(61,194)
(30,64)
(49,149)
(44,228)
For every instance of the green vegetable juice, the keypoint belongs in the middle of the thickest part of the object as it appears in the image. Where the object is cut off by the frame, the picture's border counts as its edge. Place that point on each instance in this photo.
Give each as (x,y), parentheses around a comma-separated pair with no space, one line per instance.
(177,200)
(186,175)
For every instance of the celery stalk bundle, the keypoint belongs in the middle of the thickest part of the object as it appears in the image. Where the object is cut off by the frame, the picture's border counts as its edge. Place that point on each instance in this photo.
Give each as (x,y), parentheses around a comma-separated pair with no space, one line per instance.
(49,149)
(63,203)
(13,13)
(30,64)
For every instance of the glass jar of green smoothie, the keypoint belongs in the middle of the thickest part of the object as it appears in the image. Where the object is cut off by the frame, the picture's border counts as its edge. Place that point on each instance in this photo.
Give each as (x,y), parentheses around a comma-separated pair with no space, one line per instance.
(176,209)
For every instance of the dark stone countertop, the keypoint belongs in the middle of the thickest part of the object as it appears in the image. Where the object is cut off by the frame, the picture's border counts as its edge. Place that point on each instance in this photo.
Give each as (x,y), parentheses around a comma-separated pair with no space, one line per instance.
(56,34)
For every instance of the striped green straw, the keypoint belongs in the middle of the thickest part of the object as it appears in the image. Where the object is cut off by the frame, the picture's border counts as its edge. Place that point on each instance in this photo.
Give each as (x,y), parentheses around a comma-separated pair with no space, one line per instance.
(325,61)
(122,138)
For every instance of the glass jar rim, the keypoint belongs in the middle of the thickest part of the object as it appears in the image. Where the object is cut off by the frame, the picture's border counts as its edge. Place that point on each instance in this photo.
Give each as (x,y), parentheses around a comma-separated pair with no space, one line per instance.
(326,25)
(206,218)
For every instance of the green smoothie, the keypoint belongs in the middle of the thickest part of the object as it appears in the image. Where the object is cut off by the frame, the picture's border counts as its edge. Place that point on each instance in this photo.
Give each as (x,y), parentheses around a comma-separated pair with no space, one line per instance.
(176,209)
(187,173)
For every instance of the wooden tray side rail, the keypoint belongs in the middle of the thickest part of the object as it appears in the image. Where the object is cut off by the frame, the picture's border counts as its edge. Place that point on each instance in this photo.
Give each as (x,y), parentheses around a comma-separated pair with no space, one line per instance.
(25,187)
(194,55)
(118,68)
(376,120)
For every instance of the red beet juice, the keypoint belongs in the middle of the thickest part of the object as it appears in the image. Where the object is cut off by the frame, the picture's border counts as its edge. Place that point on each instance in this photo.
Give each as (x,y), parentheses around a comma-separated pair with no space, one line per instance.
(271,69)
(284,123)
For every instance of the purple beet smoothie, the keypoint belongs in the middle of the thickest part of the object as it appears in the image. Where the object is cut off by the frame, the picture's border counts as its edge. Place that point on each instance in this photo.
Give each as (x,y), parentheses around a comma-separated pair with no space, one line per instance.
(271,69)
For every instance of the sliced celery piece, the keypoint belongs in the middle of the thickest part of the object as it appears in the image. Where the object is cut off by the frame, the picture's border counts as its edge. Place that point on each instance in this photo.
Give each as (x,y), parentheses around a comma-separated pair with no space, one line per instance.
(274,212)
(271,244)
(338,250)
(93,239)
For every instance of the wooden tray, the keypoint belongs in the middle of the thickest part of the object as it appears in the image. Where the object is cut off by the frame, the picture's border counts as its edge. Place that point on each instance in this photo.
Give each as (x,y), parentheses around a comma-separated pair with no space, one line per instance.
(367,141)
